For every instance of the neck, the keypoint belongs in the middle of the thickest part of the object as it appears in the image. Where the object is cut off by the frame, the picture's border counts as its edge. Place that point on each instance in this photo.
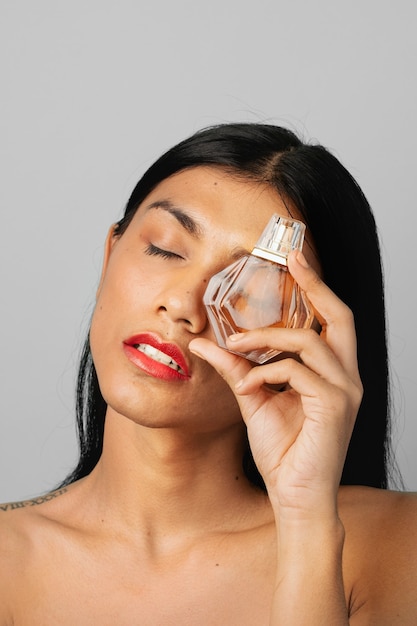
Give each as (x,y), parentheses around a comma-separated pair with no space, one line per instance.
(165,479)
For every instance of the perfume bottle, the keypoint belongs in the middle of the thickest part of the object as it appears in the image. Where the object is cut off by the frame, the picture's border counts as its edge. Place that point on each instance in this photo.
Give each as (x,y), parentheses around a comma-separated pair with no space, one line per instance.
(258,291)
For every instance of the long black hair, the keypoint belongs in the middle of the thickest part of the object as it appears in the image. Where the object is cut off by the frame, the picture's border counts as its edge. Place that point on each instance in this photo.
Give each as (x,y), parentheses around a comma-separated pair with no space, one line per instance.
(343,229)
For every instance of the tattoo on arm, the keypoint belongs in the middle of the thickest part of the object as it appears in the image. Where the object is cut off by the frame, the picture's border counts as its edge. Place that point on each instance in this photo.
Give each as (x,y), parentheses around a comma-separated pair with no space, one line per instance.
(34,502)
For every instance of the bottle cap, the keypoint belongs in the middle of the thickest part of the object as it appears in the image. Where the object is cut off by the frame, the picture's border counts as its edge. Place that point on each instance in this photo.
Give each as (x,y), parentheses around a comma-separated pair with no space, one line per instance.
(281,235)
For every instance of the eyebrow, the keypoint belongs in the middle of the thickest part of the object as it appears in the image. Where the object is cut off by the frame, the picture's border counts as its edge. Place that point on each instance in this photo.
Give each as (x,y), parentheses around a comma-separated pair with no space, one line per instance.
(238,253)
(186,221)
(190,225)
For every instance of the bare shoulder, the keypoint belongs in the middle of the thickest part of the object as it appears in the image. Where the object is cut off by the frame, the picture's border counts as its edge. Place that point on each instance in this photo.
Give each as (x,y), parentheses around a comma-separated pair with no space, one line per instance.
(378,503)
(19,520)
(20,523)
(380,555)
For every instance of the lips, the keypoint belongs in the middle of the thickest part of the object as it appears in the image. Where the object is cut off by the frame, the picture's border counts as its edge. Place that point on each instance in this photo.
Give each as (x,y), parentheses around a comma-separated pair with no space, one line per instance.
(161,360)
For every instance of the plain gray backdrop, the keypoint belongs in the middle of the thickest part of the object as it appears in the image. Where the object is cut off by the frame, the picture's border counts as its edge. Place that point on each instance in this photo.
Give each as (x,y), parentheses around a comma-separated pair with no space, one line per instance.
(94,91)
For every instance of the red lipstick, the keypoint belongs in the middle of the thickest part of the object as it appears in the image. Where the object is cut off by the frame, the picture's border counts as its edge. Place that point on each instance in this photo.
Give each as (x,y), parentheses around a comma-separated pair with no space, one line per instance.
(160,360)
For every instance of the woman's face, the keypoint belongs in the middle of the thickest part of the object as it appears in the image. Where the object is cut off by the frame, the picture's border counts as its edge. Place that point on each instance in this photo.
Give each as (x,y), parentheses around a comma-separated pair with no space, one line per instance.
(150,298)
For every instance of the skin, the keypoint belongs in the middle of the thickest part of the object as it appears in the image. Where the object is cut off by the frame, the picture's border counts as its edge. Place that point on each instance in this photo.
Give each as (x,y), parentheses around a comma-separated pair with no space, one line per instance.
(167,529)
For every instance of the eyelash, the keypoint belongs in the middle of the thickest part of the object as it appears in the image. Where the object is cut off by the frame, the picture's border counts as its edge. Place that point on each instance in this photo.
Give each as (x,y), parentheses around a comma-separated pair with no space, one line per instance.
(152,250)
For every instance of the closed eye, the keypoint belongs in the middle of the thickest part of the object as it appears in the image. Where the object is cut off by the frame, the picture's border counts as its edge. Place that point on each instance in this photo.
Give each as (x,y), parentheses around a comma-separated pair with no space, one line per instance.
(152,250)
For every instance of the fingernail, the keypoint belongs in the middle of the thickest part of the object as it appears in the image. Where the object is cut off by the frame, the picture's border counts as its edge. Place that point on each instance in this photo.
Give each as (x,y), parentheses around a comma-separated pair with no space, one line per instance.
(302,260)
(196,352)
(235,337)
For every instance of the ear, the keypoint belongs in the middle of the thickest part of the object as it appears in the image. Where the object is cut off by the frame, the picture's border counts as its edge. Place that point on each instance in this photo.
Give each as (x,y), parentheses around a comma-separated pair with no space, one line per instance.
(111,239)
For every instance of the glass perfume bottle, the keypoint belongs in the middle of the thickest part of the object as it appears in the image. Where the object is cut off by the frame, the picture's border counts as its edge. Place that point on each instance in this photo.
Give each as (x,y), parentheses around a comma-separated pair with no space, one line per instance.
(258,291)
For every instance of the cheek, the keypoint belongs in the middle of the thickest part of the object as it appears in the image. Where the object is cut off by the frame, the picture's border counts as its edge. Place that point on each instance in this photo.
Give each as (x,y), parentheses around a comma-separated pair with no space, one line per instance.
(125,285)
(119,298)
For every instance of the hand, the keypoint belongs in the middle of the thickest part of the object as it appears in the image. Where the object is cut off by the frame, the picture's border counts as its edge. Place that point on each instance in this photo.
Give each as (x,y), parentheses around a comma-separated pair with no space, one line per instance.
(298,436)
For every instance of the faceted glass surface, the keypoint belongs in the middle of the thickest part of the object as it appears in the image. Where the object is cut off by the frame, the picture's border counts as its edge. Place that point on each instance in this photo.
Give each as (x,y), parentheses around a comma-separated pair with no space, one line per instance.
(255,293)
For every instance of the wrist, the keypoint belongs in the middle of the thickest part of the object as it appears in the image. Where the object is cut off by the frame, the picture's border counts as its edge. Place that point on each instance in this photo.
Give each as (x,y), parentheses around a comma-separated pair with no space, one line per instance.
(318,538)
(307,510)
(309,578)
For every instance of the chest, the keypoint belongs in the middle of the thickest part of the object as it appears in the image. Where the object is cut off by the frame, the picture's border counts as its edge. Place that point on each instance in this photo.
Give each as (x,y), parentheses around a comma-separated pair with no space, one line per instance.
(205,588)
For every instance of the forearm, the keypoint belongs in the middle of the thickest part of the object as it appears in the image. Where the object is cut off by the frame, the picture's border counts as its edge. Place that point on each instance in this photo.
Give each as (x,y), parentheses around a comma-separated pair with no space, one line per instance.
(309,586)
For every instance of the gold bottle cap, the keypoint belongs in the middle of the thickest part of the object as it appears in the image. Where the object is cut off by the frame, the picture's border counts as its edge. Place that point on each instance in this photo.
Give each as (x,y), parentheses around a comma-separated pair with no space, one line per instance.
(281,235)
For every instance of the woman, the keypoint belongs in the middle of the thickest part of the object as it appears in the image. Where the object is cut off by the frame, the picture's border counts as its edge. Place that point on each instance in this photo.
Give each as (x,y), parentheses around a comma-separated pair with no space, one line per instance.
(161,522)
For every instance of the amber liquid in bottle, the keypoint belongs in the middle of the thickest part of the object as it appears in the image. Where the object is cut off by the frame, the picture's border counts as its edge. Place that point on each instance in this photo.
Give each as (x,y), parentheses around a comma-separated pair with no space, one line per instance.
(254,293)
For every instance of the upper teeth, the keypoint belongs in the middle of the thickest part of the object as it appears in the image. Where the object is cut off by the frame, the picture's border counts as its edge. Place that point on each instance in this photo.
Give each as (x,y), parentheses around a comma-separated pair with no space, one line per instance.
(159,356)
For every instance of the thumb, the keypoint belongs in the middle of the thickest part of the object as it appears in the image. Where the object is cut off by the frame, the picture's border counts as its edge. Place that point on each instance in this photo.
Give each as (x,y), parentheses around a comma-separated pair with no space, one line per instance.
(230,366)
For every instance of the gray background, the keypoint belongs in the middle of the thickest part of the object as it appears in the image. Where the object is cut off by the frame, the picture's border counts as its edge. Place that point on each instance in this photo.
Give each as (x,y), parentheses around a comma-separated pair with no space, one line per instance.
(94,91)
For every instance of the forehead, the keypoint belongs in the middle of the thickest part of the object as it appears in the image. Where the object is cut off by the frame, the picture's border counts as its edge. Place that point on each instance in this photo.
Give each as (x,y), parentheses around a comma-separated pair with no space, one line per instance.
(216,199)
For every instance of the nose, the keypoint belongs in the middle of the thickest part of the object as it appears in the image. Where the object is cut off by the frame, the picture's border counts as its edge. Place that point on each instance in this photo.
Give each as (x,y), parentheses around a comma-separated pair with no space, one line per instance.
(182,302)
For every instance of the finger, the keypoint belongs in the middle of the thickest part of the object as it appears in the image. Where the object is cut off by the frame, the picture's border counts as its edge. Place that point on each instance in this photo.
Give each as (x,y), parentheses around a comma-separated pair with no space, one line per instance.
(307,384)
(314,353)
(301,379)
(230,366)
(335,315)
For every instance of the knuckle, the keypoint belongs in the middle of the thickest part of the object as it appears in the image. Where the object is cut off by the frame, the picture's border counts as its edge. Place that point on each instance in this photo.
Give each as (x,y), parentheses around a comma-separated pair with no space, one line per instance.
(347,313)
(311,335)
(292,366)
(315,280)
(342,315)
(352,398)
(357,393)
